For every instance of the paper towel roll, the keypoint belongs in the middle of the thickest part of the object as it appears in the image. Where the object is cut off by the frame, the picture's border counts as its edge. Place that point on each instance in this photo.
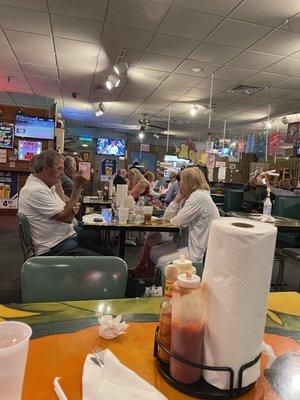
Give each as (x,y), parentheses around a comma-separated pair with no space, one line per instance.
(122,191)
(237,272)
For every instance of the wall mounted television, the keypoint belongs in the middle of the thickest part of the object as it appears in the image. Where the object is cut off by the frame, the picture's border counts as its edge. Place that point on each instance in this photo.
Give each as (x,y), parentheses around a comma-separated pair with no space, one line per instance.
(34,127)
(6,135)
(112,147)
(28,148)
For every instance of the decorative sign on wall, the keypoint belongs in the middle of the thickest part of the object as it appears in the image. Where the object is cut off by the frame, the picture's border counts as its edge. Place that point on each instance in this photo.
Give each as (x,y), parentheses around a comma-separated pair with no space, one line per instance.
(3,156)
(293,131)
(274,143)
(189,151)
(8,190)
(108,168)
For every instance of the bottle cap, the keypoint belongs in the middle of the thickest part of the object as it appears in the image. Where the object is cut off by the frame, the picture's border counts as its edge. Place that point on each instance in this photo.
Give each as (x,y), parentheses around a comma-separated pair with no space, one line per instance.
(171,272)
(182,263)
(189,280)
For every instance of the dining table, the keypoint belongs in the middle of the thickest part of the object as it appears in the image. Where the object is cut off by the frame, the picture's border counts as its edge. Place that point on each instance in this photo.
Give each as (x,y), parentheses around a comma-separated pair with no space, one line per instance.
(155,225)
(65,332)
(281,223)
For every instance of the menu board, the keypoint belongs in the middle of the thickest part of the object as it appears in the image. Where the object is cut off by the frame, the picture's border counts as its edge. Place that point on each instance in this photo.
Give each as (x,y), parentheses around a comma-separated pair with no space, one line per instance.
(8,189)
(6,135)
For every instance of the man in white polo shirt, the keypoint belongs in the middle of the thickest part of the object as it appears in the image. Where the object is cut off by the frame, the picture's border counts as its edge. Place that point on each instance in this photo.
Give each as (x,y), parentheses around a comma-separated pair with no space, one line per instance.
(50,218)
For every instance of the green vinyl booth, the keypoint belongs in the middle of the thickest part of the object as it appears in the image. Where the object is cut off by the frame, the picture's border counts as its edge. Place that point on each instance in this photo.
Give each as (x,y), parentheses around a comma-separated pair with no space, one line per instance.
(288,207)
(63,278)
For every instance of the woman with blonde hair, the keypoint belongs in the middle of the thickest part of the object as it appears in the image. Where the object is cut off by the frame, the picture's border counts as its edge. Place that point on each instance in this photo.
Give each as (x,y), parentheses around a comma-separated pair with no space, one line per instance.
(138,184)
(192,211)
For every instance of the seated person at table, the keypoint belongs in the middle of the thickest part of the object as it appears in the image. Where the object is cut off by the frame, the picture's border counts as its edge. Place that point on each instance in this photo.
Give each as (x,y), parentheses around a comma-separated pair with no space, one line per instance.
(252,197)
(50,217)
(138,185)
(120,178)
(173,188)
(282,189)
(192,211)
(160,182)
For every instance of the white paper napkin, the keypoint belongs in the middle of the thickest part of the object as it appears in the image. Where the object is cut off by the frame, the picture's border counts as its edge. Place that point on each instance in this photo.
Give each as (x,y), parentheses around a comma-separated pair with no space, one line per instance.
(114,382)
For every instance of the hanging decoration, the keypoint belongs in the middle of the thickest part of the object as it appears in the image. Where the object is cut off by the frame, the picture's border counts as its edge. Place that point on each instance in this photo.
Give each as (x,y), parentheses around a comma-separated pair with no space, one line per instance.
(274,143)
(293,131)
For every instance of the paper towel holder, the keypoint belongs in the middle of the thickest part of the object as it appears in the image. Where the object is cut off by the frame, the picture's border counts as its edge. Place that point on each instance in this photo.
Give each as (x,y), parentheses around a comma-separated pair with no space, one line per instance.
(202,389)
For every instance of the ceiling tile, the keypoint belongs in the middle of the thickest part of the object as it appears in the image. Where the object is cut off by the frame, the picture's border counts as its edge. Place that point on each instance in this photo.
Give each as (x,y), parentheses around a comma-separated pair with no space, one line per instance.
(24,20)
(288,66)
(254,60)
(198,94)
(145,78)
(10,65)
(188,23)
(290,84)
(48,91)
(293,25)
(214,53)
(183,80)
(143,14)
(278,42)
(267,12)
(171,45)
(264,79)
(76,28)
(218,85)
(92,9)
(75,48)
(169,87)
(237,34)
(75,63)
(126,37)
(206,68)
(232,73)
(158,62)
(40,5)
(5,49)
(39,80)
(32,48)
(296,55)
(217,7)
(39,70)
(294,96)
(273,93)
(75,74)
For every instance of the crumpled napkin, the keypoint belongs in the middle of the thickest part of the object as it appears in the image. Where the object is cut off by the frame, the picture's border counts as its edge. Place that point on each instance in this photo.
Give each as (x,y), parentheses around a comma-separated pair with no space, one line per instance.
(111,327)
(114,381)
(266,218)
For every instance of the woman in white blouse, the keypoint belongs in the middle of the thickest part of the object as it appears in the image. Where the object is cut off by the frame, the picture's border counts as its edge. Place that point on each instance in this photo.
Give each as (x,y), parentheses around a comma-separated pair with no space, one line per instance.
(192,211)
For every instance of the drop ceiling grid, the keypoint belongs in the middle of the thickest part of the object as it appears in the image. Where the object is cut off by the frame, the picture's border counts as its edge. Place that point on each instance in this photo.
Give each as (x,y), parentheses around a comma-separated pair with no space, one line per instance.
(55,10)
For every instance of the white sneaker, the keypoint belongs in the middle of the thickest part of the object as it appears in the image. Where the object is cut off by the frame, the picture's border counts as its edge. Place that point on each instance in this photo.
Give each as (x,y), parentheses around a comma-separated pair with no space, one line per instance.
(153,291)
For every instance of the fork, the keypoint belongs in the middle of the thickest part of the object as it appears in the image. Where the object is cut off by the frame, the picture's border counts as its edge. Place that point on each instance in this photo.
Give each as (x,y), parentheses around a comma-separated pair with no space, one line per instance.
(98,357)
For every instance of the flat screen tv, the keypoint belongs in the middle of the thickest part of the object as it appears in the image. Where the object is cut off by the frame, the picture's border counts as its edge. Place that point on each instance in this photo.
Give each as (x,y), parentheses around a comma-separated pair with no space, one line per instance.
(112,147)
(34,127)
(28,149)
(6,135)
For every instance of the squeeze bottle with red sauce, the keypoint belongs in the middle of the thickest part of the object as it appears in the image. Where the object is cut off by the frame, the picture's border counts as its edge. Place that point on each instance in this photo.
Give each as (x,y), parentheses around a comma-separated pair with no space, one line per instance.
(187,329)
(165,313)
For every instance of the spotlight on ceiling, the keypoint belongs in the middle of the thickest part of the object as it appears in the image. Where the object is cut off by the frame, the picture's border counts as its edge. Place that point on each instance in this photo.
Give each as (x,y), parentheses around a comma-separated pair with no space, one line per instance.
(120,67)
(194,110)
(141,135)
(284,120)
(100,110)
(156,136)
(112,81)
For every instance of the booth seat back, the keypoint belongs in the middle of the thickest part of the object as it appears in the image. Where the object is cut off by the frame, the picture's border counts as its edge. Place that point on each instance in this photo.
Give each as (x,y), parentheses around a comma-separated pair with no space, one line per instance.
(62,278)
(287,206)
(233,200)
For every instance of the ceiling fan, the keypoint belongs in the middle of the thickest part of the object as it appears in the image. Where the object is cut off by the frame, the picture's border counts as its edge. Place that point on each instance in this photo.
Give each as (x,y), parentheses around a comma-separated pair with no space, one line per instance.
(146,123)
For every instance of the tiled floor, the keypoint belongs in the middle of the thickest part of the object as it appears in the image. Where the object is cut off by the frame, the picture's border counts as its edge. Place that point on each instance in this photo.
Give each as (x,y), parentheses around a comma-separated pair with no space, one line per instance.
(11,260)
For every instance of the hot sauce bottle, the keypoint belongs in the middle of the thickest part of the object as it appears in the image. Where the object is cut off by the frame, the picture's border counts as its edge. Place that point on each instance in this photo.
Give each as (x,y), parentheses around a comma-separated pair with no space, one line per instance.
(165,314)
(187,328)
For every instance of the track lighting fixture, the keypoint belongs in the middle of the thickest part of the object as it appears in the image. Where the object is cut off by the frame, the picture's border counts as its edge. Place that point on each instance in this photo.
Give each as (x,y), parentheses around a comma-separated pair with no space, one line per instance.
(112,81)
(194,110)
(284,120)
(141,135)
(100,110)
(120,67)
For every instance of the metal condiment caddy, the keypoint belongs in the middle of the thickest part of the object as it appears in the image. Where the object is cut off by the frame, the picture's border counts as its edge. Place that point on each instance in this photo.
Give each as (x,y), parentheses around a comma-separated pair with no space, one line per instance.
(202,389)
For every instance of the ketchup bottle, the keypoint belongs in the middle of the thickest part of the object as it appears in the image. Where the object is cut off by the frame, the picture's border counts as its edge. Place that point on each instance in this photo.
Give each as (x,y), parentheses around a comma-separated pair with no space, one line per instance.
(187,329)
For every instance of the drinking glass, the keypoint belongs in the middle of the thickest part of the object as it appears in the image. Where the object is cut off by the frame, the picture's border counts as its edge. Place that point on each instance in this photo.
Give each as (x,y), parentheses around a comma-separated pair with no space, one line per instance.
(14,339)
